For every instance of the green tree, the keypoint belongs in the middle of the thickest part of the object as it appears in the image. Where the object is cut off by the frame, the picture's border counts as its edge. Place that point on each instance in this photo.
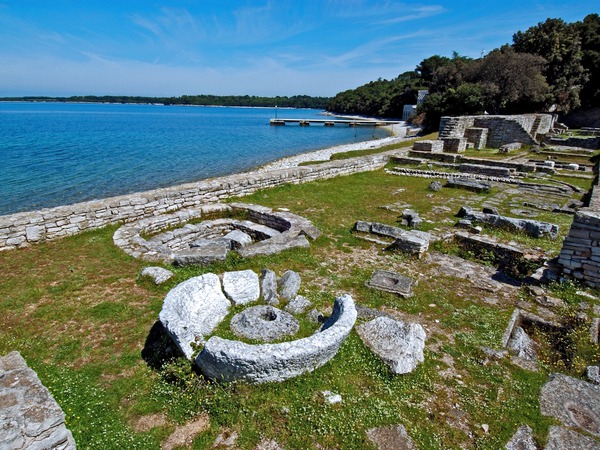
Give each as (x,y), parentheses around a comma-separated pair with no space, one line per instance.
(512,82)
(560,44)
(427,68)
(589,31)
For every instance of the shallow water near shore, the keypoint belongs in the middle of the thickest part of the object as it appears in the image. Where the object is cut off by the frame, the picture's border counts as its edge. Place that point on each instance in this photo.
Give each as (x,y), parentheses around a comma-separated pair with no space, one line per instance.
(62,153)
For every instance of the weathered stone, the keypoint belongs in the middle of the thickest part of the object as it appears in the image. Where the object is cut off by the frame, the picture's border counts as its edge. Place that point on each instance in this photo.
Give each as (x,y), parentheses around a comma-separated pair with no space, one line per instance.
(464,223)
(226,440)
(522,440)
(533,228)
(268,283)
(560,438)
(316,316)
(391,282)
(435,186)
(432,146)
(238,239)
(216,251)
(241,287)
(289,284)
(574,402)
(521,345)
(398,344)
(490,210)
(274,245)
(468,184)
(412,218)
(393,437)
(30,418)
(298,305)
(593,374)
(192,310)
(158,274)
(362,226)
(264,323)
(386,230)
(412,242)
(227,360)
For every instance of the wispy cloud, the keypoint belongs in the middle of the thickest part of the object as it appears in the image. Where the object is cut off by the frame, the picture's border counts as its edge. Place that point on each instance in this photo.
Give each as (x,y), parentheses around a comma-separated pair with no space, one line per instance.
(369,50)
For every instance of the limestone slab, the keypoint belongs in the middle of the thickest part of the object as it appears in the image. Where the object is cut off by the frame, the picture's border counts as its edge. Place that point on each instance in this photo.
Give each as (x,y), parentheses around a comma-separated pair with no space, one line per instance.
(395,283)
(193,309)
(241,287)
(574,402)
(400,345)
(289,284)
(264,323)
(29,416)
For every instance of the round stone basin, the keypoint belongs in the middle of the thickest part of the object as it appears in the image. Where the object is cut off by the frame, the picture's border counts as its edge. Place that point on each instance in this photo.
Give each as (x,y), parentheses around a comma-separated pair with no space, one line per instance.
(264,323)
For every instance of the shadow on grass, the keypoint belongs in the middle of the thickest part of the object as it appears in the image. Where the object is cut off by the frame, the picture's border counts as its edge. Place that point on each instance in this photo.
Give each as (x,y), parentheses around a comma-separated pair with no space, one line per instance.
(159,348)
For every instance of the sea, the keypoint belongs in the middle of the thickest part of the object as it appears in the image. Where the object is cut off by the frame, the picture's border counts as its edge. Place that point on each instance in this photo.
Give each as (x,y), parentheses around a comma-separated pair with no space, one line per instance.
(55,154)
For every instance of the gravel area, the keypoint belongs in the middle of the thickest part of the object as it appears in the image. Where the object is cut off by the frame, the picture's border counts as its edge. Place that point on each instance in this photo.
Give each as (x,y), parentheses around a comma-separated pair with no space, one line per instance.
(325,154)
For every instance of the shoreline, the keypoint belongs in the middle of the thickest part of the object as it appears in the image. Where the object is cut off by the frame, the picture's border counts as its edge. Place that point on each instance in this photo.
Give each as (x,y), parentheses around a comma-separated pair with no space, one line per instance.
(287,162)
(325,154)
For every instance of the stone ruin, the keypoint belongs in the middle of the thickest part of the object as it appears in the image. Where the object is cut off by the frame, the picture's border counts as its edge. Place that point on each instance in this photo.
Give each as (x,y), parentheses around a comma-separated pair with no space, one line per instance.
(207,234)
(192,311)
(533,228)
(29,417)
(459,133)
(413,242)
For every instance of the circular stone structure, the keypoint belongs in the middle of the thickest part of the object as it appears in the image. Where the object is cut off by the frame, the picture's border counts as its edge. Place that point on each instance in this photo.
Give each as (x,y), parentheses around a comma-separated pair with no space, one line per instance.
(206,234)
(227,360)
(264,323)
(193,310)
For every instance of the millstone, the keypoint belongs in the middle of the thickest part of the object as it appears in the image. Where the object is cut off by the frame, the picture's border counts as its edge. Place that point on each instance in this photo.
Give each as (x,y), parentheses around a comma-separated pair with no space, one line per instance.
(264,323)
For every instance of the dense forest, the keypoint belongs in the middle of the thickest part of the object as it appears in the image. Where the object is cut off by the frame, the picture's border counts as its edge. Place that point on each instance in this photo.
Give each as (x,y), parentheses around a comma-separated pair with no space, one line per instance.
(297,101)
(553,66)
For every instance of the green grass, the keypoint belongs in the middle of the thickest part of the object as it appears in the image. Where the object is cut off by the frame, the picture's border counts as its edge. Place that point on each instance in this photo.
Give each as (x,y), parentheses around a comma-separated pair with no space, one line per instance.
(81,315)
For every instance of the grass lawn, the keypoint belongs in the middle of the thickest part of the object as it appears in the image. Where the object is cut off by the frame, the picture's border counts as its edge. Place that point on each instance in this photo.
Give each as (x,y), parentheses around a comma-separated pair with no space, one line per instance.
(81,316)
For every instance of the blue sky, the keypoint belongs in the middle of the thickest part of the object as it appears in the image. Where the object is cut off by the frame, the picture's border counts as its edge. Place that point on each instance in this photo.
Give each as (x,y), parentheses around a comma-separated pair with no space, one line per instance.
(225,47)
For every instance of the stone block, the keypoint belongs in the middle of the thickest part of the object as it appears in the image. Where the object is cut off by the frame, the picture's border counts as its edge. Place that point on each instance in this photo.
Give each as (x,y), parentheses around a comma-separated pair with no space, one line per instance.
(391,282)
(30,417)
(241,287)
(400,345)
(192,310)
(454,144)
(430,146)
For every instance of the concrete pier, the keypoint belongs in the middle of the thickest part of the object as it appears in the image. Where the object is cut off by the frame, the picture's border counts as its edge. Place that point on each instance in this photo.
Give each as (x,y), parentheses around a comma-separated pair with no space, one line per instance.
(333,122)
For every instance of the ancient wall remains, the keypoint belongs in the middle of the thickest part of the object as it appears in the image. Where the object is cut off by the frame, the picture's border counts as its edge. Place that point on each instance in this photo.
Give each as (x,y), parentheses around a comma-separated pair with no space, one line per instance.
(580,254)
(501,130)
(29,417)
(22,229)
(591,143)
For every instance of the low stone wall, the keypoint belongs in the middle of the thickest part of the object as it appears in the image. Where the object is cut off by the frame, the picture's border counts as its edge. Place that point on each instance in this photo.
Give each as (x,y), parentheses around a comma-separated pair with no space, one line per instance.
(591,143)
(23,229)
(272,232)
(29,417)
(580,254)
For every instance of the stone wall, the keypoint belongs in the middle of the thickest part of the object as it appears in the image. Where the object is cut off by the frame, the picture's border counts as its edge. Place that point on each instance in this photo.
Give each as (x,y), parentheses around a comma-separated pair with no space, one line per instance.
(591,143)
(29,417)
(22,229)
(501,129)
(580,254)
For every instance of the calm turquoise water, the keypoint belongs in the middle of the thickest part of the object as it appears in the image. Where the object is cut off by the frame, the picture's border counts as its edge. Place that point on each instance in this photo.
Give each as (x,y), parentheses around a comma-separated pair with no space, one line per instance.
(61,153)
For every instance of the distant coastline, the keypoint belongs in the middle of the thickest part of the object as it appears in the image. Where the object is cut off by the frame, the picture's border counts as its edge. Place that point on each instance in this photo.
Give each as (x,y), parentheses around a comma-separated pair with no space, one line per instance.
(296,101)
